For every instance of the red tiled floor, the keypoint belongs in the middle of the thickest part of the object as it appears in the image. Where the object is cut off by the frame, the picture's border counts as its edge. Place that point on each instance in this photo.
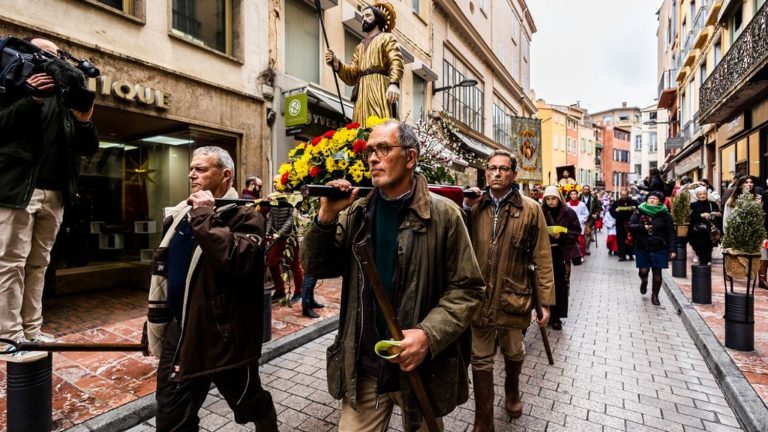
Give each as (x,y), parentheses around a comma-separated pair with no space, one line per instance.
(86,384)
(753,364)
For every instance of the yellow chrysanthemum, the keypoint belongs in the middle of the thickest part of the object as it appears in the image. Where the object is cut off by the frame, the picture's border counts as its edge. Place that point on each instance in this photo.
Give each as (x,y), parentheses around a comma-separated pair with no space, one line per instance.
(284,168)
(330,164)
(373,121)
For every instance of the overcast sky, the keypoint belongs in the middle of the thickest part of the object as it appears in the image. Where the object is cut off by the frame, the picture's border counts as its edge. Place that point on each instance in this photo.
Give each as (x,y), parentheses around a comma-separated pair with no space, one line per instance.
(599,52)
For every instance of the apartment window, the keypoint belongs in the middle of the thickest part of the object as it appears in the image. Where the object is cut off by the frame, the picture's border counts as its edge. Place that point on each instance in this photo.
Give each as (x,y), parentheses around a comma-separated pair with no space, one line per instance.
(653,164)
(302,35)
(683,106)
(482,5)
(416,6)
(737,21)
(419,87)
(717,53)
(669,32)
(691,99)
(502,126)
(607,119)
(692,6)
(638,168)
(702,73)
(125,6)
(638,143)
(624,116)
(757,4)
(207,22)
(653,142)
(463,103)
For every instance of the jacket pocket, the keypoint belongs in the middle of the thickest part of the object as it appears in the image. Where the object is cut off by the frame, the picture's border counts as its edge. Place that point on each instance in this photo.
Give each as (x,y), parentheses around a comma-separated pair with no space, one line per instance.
(16,166)
(218,306)
(515,297)
(445,387)
(334,369)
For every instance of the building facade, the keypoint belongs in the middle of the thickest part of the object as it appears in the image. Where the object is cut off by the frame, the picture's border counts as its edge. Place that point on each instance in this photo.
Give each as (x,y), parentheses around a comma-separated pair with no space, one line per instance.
(627,118)
(443,42)
(174,76)
(733,99)
(616,163)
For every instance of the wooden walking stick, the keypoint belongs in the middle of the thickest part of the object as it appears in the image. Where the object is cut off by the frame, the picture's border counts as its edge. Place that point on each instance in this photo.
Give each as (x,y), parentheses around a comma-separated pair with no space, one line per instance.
(414,379)
(533,233)
(328,47)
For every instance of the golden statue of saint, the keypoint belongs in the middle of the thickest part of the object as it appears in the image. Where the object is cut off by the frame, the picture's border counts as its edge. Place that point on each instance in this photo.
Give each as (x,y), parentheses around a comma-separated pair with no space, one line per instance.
(377,65)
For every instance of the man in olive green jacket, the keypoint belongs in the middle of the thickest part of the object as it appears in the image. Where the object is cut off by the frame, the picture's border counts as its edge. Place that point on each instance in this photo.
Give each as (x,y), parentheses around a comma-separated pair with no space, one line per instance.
(423,253)
(508,232)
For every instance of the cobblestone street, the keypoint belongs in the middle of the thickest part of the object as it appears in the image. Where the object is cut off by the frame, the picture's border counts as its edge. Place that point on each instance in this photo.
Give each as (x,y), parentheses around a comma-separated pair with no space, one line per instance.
(620,364)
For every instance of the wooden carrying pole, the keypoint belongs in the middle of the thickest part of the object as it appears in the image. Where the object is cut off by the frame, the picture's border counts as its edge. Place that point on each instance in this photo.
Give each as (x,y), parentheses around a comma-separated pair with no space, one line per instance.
(414,379)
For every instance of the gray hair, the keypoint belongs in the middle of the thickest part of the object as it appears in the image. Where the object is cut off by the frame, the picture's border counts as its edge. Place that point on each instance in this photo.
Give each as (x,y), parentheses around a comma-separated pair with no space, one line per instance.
(406,136)
(223,159)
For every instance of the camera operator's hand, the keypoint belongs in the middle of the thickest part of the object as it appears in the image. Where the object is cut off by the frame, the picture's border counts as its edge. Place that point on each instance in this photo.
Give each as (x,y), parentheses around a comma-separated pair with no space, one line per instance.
(40,82)
(83,117)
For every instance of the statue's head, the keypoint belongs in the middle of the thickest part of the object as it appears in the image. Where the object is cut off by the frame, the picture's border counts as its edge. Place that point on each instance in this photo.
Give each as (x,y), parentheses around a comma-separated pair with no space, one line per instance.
(372,18)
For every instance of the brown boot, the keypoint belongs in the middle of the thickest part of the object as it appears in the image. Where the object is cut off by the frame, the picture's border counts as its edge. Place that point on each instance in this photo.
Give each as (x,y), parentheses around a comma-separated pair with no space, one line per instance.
(512,402)
(482,382)
(762,272)
(655,288)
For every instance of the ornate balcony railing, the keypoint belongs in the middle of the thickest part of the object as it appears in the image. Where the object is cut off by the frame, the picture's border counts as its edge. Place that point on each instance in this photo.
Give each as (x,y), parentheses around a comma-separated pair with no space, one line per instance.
(746,55)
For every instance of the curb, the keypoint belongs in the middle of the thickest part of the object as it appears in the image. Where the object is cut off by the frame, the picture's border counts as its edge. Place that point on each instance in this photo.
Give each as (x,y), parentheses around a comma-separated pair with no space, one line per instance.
(137,411)
(747,405)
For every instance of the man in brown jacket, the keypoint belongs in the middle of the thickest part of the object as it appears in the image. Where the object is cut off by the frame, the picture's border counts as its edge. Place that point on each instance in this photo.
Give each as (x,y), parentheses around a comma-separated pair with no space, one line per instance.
(508,232)
(424,256)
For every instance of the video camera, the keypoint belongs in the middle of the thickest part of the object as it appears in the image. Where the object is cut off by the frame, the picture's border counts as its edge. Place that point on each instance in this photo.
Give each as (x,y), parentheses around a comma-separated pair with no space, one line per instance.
(20,59)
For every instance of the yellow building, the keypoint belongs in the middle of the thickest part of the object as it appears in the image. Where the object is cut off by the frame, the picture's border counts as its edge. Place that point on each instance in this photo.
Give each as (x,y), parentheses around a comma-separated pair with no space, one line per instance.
(553,139)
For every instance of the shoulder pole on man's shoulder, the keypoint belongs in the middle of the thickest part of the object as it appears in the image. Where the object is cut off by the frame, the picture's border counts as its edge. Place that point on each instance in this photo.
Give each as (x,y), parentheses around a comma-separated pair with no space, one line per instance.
(414,379)
(328,47)
(533,234)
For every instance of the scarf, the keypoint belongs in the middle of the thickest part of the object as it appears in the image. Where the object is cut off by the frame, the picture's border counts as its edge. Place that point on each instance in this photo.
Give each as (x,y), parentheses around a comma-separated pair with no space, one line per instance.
(652,210)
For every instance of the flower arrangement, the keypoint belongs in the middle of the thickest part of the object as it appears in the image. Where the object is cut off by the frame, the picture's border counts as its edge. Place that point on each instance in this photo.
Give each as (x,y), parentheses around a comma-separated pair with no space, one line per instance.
(567,187)
(332,155)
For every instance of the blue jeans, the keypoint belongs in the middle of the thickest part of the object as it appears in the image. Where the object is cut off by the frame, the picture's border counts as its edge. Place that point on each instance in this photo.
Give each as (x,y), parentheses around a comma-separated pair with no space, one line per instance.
(308,290)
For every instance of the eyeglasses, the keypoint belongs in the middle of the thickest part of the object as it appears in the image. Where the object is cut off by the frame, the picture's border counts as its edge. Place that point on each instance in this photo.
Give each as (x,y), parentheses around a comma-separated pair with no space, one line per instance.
(381,150)
(500,169)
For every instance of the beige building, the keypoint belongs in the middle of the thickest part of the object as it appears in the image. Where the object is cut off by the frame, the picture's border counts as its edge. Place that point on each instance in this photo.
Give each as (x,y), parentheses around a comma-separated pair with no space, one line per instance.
(172,79)
(443,42)
(568,138)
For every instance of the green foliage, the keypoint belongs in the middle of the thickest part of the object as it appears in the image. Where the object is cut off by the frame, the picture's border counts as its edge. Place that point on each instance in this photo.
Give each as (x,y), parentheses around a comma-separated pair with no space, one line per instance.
(681,208)
(745,231)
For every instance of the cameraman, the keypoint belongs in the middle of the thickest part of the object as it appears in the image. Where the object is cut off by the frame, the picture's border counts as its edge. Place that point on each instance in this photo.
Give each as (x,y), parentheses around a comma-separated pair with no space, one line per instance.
(41,142)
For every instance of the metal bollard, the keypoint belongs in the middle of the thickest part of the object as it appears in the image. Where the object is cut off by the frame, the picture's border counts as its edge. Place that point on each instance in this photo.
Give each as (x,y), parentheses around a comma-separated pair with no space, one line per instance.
(701,284)
(29,396)
(739,321)
(680,262)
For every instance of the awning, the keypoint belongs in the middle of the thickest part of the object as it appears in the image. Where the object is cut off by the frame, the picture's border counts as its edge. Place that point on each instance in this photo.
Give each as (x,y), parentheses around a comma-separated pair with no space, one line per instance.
(475,146)
(329,101)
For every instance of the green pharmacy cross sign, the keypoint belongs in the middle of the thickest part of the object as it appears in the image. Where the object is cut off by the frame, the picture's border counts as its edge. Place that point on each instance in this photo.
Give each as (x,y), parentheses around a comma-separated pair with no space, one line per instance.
(296,111)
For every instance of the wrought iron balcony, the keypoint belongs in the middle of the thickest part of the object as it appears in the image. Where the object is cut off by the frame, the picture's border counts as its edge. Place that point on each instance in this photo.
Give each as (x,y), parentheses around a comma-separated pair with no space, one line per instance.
(730,85)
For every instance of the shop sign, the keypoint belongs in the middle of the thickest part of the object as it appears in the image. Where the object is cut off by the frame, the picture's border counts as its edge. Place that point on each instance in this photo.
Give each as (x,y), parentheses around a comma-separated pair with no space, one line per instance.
(690,162)
(319,120)
(736,125)
(296,110)
(131,92)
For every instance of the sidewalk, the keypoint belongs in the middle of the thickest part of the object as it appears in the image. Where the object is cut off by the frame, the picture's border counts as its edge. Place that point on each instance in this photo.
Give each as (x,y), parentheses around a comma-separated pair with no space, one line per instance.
(87,385)
(743,375)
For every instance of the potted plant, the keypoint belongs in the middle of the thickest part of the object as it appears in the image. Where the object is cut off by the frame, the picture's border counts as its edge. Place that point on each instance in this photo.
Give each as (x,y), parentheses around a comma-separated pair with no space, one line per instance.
(744,237)
(681,212)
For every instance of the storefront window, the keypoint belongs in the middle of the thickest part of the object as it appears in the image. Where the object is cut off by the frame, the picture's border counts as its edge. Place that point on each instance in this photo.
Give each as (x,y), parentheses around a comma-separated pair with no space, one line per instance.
(302,41)
(124,189)
(741,151)
(728,162)
(754,154)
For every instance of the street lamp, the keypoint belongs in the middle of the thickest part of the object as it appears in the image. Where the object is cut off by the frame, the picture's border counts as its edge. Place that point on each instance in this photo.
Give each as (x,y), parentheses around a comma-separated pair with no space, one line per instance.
(654,122)
(467,82)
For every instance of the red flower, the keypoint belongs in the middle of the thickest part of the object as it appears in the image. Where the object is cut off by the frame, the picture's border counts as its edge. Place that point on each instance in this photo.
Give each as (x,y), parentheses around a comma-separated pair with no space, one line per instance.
(284,178)
(316,140)
(329,134)
(314,171)
(358,146)
(353,125)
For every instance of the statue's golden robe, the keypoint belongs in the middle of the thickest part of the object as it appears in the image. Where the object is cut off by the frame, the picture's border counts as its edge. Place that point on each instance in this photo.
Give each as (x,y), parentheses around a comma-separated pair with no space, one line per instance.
(382,53)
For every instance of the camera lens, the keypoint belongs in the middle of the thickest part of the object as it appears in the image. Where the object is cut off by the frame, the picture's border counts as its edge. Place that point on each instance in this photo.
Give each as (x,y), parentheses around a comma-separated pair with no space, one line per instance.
(88,69)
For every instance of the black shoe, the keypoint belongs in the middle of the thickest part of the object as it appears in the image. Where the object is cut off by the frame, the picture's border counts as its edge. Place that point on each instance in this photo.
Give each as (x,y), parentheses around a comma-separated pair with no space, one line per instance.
(309,312)
(316,305)
(622,259)
(631,257)
(296,298)
(557,325)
